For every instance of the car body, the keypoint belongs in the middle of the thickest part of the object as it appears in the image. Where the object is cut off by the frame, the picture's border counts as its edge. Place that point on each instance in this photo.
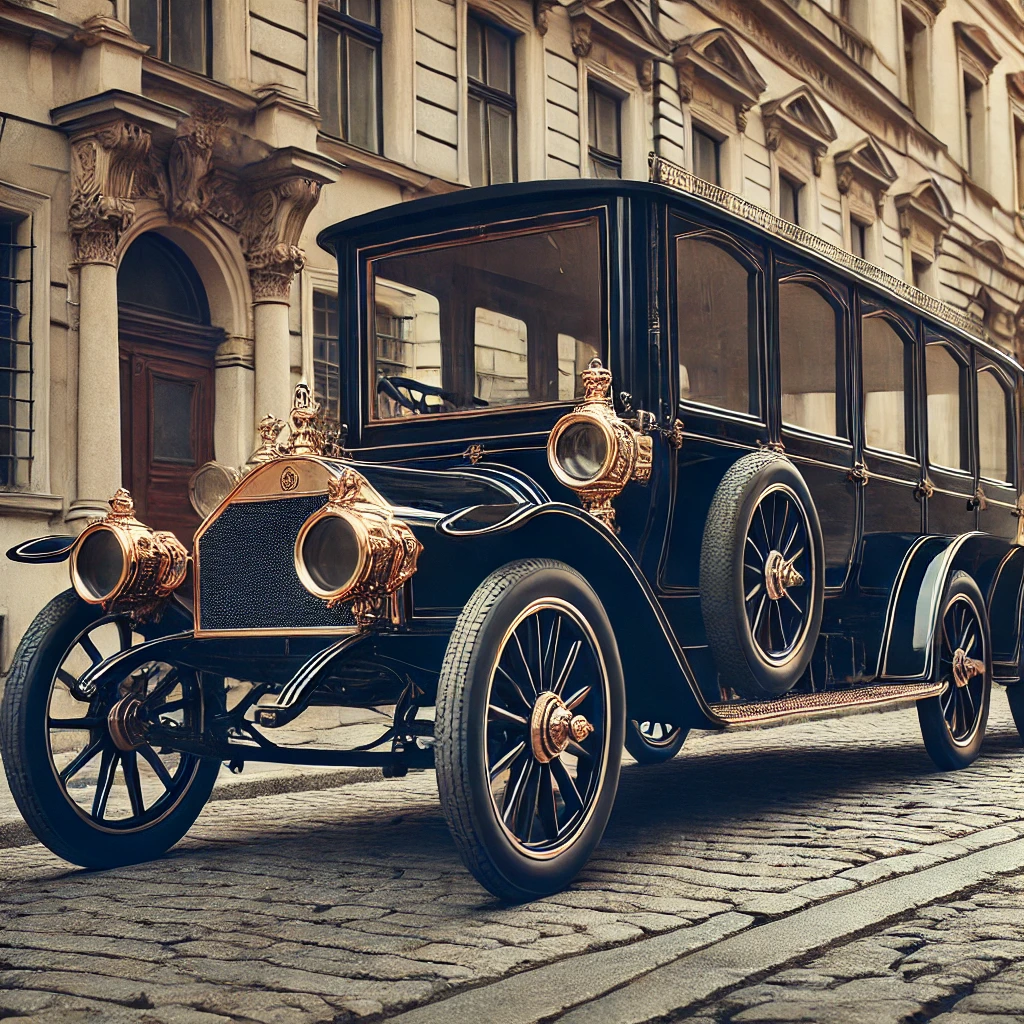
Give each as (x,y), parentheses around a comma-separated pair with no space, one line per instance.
(644,431)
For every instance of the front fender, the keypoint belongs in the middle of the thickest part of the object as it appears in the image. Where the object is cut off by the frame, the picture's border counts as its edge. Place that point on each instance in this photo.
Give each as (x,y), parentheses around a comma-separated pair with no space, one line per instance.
(908,642)
(54,548)
(660,684)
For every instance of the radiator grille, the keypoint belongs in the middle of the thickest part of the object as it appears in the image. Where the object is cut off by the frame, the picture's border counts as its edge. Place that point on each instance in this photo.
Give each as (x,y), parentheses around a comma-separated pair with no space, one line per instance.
(246,570)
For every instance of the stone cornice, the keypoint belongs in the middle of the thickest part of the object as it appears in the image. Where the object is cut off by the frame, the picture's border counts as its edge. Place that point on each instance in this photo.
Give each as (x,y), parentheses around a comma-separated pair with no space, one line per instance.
(783,35)
(95,111)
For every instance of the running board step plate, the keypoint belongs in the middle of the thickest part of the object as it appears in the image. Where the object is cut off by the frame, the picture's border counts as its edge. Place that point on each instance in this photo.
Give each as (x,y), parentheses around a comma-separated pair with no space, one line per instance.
(831,704)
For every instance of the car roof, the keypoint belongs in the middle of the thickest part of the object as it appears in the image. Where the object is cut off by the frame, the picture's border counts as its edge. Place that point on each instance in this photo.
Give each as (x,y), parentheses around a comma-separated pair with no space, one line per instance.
(676,184)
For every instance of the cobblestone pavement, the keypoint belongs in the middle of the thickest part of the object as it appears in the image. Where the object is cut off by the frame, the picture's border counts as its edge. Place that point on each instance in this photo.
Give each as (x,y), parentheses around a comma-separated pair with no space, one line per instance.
(350,903)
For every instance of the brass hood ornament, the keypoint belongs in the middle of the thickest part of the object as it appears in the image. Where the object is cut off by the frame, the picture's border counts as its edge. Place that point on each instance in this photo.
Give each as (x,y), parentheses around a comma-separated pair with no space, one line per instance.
(595,452)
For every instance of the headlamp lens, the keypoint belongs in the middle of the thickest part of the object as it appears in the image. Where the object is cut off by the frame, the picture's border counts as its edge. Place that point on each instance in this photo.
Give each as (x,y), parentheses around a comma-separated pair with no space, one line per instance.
(581,450)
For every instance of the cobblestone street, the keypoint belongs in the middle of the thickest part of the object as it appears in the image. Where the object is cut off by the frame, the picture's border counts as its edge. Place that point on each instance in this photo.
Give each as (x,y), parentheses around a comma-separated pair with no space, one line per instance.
(824,873)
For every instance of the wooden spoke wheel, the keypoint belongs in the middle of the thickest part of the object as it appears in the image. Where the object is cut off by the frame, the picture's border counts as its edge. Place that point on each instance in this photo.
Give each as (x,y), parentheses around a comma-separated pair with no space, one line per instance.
(953,723)
(94,790)
(529,728)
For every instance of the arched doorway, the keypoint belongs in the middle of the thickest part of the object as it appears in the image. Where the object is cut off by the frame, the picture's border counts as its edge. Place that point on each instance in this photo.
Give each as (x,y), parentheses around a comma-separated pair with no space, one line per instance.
(167,351)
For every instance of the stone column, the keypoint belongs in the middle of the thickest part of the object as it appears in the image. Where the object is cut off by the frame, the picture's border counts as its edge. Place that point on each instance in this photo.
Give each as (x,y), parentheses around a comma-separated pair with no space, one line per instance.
(103,172)
(277,213)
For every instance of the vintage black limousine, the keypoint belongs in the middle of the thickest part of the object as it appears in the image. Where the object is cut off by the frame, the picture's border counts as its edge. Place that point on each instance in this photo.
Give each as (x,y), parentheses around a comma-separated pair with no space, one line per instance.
(623,460)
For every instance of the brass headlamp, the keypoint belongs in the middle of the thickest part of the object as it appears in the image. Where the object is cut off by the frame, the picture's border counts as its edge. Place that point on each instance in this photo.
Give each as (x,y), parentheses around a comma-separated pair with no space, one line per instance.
(124,565)
(355,549)
(594,452)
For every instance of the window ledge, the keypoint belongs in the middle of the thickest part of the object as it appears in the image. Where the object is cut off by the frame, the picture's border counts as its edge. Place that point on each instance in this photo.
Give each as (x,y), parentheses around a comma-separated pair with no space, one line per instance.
(382,167)
(187,84)
(31,503)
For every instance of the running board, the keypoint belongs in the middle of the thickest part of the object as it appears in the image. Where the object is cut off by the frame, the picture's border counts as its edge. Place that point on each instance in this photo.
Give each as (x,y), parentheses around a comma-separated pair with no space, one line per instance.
(831,704)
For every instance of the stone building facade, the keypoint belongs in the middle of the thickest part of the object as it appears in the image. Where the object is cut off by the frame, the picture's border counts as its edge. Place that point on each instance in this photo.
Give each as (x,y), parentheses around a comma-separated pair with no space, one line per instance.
(165,166)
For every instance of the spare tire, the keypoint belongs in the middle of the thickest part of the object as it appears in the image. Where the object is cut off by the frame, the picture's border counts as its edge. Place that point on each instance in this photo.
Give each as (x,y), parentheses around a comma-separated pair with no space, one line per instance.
(762,576)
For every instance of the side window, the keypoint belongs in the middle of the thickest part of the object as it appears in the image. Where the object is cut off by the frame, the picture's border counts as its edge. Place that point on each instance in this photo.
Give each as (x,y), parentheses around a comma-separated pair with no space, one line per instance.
(994,445)
(717,329)
(885,357)
(947,411)
(808,341)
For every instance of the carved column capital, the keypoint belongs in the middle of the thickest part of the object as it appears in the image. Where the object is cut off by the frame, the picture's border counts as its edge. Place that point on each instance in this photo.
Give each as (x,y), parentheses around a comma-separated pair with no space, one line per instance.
(104,165)
(270,234)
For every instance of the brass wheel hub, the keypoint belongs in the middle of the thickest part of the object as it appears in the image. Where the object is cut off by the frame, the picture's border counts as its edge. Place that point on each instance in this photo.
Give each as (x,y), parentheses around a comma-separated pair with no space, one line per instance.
(553,726)
(127,723)
(779,575)
(966,668)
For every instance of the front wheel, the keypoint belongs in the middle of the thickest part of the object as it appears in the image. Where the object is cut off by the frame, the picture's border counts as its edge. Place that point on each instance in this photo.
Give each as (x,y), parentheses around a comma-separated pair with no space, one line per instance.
(953,723)
(529,728)
(80,770)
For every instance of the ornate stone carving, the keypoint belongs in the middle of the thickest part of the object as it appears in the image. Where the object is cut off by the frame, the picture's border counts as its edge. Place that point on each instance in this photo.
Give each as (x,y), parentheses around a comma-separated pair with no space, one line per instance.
(581,41)
(188,163)
(541,11)
(645,73)
(103,171)
(802,118)
(270,231)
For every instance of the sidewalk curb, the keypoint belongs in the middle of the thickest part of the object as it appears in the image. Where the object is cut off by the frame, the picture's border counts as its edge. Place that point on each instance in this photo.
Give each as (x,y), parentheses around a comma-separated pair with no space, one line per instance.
(628,985)
(16,833)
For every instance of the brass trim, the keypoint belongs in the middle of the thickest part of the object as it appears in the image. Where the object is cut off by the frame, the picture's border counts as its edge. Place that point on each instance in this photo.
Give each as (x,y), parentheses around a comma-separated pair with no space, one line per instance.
(154,563)
(553,726)
(388,549)
(629,452)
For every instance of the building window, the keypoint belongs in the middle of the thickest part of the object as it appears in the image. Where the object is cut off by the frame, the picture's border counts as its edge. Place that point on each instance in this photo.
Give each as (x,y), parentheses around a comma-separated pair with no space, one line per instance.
(915,61)
(349,71)
(974,125)
(490,57)
(177,31)
(790,199)
(1018,150)
(706,156)
(605,119)
(15,357)
(326,368)
(859,238)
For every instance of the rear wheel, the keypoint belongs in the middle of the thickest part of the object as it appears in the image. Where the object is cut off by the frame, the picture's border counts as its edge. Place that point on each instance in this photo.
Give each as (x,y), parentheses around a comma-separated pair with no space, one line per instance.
(529,728)
(80,770)
(654,742)
(953,723)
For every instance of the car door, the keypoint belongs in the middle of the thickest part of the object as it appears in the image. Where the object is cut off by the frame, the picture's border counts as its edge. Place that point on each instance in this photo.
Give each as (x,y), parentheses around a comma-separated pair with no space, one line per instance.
(997,449)
(951,505)
(889,358)
(716,285)
(811,332)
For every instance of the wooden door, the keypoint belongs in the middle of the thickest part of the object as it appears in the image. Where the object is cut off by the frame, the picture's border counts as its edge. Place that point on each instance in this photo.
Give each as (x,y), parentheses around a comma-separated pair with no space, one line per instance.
(167,403)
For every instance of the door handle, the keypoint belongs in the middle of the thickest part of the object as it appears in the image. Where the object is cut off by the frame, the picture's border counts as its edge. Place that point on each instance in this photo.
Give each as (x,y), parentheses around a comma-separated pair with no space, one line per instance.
(977,501)
(859,474)
(925,489)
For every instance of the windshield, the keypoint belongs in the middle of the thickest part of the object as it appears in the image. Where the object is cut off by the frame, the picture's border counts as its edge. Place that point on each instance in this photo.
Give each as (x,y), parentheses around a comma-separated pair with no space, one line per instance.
(486,323)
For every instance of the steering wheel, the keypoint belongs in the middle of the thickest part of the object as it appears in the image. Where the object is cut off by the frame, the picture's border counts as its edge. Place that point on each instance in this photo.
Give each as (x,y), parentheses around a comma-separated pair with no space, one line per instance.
(412,394)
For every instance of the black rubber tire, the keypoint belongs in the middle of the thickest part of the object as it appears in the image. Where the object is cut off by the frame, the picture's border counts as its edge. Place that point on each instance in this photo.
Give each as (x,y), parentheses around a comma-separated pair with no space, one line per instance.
(948,754)
(644,751)
(460,754)
(23,742)
(740,662)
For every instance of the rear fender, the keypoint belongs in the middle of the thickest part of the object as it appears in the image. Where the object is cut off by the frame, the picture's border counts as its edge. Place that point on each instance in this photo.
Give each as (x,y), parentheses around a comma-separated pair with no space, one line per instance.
(908,640)
(659,682)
